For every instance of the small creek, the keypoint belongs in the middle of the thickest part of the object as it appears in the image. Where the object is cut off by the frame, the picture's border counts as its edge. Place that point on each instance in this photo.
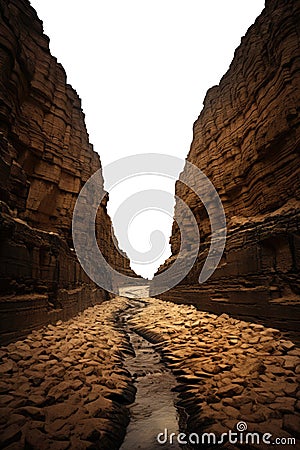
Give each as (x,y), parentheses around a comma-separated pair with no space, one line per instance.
(153,409)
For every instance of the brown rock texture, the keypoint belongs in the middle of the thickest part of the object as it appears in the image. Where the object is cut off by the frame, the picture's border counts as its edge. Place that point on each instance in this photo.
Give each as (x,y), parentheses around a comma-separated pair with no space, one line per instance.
(45,158)
(228,371)
(246,140)
(64,386)
(69,385)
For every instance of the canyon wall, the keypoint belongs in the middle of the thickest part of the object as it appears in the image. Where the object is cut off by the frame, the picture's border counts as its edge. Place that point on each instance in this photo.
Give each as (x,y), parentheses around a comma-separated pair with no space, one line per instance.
(45,158)
(247,141)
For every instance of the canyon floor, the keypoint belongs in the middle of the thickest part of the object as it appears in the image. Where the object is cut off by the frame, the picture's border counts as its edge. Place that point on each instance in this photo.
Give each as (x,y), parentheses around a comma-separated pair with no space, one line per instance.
(152,368)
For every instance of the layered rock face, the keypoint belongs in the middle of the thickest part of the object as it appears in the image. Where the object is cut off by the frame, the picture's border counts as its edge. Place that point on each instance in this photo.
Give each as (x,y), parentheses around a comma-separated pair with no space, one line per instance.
(246,140)
(45,158)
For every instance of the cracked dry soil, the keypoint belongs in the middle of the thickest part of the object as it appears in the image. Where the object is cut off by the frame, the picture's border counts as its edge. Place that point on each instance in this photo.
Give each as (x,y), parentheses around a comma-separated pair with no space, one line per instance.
(142,367)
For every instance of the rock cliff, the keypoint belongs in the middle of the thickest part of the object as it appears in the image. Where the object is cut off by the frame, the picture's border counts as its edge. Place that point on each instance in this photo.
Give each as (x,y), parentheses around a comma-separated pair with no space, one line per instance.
(246,140)
(45,158)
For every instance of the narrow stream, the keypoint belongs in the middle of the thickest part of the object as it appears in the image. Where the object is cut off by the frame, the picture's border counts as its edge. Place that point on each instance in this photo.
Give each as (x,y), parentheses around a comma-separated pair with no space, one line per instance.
(153,409)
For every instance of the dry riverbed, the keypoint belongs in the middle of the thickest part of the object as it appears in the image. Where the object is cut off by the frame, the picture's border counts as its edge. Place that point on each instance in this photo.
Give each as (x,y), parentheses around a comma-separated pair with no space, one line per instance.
(229,371)
(72,385)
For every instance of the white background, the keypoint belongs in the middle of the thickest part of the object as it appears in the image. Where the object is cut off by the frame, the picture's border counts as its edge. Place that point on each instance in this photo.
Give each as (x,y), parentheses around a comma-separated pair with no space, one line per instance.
(142,69)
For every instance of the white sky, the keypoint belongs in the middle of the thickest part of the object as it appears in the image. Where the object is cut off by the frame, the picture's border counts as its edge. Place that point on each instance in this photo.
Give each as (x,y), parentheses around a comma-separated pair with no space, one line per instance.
(142,69)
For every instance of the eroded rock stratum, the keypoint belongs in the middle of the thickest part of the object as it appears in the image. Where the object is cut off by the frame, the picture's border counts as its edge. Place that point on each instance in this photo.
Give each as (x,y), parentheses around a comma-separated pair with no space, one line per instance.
(246,140)
(65,385)
(45,158)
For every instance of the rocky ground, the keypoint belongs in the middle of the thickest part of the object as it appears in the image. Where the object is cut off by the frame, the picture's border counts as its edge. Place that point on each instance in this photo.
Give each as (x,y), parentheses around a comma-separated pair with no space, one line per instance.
(229,370)
(66,386)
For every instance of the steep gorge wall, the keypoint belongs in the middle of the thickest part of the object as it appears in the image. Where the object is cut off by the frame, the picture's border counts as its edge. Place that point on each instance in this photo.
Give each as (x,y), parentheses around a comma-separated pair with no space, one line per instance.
(247,141)
(45,158)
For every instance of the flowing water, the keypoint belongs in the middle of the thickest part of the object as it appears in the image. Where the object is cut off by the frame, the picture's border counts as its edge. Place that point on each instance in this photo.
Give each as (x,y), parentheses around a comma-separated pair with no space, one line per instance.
(153,410)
